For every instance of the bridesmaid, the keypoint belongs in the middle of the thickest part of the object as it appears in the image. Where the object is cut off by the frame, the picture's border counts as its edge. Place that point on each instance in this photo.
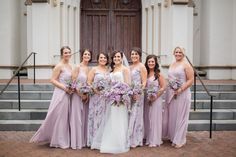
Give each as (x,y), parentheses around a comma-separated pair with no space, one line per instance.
(97,104)
(138,77)
(56,129)
(180,76)
(79,105)
(153,103)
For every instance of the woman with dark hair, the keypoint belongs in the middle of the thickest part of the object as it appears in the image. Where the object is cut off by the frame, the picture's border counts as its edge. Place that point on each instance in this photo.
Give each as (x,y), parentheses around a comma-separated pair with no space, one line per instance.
(97,78)
(112,134)
(79,103)
(138,77)
(56,127)
(153,102)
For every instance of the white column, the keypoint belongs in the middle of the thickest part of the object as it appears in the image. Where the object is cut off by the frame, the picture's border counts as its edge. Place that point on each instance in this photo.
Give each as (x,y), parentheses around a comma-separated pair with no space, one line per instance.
(10,13)
(40,38)
(182,29)
(218,37)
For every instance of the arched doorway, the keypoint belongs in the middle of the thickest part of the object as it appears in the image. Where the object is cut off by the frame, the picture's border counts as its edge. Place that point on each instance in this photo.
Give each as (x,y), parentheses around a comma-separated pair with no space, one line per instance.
(108,25)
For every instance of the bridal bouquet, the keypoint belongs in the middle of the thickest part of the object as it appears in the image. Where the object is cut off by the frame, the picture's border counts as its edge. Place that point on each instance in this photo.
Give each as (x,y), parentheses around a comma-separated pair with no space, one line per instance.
(118,94)
(175,84)
(152,89)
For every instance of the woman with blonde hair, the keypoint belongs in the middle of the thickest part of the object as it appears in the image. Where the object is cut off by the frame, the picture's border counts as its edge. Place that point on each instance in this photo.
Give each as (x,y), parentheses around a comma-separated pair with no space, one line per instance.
(180,77)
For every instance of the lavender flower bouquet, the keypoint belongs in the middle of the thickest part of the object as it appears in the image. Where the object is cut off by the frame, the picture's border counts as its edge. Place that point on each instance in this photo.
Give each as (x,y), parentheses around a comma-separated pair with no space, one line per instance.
(175,84)
(118,94)
(100,84)
(85,89)
(152,90)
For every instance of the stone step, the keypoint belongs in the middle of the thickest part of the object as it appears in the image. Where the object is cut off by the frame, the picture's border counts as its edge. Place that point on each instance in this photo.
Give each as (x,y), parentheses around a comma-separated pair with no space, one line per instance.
(43,95)
(50,87)
(28,87)
(194,125)
(43,104)
(217,114)
(217,125)
(40,114)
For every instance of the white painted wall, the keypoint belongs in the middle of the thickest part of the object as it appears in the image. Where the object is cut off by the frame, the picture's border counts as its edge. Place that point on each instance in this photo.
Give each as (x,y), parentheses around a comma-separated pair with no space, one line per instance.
(10,31)
(217,41)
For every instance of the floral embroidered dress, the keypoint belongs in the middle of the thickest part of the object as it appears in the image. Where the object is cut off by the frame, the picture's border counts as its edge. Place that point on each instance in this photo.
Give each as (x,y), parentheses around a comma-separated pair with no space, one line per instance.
(136,126)
(56,127)
(79,115)
(178,107)
(97,107)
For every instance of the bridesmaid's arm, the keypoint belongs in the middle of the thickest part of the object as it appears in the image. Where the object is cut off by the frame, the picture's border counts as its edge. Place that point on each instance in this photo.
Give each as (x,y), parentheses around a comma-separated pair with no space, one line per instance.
(75,73)
(143,76)
(162,83)
(54,78)
(127,76)
(190,77)
(91,76)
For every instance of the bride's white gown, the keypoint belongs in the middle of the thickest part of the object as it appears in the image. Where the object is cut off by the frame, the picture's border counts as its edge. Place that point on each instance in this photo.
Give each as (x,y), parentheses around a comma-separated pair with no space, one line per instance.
(112,135)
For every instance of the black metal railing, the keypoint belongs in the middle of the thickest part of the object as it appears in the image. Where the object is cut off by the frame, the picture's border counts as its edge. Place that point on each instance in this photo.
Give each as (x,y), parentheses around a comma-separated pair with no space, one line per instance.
(208,93)
(17,72)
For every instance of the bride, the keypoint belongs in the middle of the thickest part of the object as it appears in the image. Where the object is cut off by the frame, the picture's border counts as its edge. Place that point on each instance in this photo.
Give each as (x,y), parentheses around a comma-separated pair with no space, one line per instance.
(112,136)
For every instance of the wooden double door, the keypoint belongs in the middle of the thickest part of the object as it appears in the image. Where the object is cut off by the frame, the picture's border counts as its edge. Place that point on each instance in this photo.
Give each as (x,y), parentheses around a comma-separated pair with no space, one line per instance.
(108,25)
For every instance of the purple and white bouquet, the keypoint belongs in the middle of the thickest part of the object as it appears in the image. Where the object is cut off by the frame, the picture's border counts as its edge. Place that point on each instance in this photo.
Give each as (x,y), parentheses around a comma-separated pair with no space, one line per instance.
(152,89)
(136,89)
(118,94)
(100,84)
(71,84)
(84,88)
(174,83)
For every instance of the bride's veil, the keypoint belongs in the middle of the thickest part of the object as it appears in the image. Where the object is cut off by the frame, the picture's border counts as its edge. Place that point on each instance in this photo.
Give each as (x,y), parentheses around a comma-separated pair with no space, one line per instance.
(126,64)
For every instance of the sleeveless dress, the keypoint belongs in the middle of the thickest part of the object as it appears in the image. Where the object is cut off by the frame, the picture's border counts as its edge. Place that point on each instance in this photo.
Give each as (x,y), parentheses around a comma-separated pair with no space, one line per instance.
(136,124)
(56,128)
(178,108)
(112,135)
(97,107)
(78,117)
(153,122)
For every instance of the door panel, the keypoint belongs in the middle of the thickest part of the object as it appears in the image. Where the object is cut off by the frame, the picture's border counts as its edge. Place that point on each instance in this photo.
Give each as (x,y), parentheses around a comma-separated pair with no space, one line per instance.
(108,25)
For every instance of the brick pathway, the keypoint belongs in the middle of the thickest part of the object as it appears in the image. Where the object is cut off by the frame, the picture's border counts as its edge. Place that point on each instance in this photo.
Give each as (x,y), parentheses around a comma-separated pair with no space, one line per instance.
(223,144)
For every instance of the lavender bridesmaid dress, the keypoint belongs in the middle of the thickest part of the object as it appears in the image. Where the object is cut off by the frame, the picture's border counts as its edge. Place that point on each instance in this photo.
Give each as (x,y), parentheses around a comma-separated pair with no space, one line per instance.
(97,108)
(56,128)
(136,126)
(178,108)
(153,121)
(78,117)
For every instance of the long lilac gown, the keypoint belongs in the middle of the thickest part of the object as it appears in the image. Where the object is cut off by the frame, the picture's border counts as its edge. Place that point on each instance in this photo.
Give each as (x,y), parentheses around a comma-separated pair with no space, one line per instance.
(153,121)
(136,126)
(178,108)
(55,129)
(79,116)
(97,107)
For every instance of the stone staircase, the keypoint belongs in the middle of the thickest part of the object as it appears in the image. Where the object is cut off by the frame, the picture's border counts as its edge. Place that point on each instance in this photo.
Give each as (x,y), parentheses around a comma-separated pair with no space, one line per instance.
(35,100)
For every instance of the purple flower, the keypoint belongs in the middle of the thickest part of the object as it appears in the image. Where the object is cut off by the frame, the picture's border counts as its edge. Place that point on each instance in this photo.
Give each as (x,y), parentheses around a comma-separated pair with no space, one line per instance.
(85,89)
(71,84)
(136,89)
(175,84)
(100,84)
(118,93)
(152,89)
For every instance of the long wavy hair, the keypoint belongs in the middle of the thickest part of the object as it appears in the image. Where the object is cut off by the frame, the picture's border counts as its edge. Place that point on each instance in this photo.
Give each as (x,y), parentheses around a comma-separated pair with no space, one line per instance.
(105,54)
(82,53)
(112,65)
(156,68)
